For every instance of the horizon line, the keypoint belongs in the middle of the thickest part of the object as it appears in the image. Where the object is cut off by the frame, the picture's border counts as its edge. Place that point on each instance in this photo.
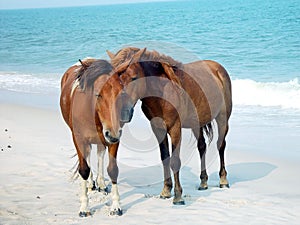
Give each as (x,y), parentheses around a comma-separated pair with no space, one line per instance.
(87,5)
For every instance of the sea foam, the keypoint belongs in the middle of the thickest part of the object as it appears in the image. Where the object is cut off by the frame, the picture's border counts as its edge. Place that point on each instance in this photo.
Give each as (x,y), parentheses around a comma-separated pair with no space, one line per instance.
(245,91)
(29,83)
(282,94)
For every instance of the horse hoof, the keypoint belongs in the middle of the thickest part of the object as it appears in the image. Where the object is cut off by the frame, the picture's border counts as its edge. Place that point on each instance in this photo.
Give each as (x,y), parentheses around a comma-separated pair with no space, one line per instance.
(103,190)
(116,212)
(202,188)
(224,185)
(164,197)
(84,214)
(94,188)
(181,202)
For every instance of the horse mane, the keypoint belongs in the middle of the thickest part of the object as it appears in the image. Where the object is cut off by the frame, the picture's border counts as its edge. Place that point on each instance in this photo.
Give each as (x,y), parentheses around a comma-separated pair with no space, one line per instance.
(152,57)
(91,70)
(156,57)
(123,55)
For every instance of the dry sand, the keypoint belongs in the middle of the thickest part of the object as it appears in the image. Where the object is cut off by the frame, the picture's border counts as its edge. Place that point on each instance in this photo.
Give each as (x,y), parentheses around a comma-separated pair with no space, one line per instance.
(36,185)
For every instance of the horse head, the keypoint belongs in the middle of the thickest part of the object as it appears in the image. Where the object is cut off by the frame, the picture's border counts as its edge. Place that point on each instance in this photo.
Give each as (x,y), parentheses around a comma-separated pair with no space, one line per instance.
(131,73)
(113,106)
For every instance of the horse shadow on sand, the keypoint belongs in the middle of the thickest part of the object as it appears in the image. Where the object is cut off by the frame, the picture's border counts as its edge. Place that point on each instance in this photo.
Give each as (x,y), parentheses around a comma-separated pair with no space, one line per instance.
(243,172)
(148,182)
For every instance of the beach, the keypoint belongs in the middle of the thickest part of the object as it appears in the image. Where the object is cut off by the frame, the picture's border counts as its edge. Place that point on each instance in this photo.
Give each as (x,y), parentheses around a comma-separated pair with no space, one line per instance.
(37,185)
(257,42)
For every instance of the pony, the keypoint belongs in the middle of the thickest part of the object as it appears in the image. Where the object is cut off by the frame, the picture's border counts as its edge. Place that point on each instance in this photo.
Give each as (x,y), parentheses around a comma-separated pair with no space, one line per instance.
(95,107)
(190,95)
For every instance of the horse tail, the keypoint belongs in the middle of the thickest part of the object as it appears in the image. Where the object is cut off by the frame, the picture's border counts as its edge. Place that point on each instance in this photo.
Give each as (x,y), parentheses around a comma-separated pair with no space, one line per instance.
(209,132)
(74,170)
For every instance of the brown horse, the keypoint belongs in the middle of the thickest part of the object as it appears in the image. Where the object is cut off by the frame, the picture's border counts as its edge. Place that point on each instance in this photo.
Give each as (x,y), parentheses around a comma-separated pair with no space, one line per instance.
(184,96)
(95,107)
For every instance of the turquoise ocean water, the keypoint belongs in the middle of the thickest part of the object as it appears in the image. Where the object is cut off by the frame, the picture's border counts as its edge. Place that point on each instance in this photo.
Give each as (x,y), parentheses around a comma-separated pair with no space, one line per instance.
(257,42)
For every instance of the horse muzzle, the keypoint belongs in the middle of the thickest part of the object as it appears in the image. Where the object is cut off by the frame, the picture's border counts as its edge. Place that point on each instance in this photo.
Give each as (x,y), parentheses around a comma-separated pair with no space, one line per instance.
(110,138)
(126,114)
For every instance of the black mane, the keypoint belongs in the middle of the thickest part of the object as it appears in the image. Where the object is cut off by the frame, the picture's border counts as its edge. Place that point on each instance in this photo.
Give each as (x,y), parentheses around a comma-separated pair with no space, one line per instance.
(89,72)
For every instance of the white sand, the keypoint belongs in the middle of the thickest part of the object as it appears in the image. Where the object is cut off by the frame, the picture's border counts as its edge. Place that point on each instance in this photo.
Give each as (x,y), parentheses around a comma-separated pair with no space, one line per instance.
(36,186)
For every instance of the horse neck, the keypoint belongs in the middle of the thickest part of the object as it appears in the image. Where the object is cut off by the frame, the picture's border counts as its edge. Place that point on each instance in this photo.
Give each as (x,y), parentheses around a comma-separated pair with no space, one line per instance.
(88,99)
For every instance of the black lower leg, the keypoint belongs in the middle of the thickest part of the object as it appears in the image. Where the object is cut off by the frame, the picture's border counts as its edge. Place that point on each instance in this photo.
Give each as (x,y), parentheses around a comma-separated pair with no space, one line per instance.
(84,169)
(223,172)
(112,169)
(175,165)
(165,158)
(113,172)
(202,151)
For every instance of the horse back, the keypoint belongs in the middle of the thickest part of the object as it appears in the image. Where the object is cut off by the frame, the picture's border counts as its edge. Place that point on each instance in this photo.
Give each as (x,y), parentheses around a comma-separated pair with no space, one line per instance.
(67,82)
(219,72)
(214,83)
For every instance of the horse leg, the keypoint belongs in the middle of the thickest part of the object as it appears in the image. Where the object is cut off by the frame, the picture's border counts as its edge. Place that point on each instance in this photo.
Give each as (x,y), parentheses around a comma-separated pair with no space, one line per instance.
(90,181)
(160,132)
(222,122)
(201,145)
(83,149)
(84,201)
(100,178)
(113,172)
(165,158)
(175,162)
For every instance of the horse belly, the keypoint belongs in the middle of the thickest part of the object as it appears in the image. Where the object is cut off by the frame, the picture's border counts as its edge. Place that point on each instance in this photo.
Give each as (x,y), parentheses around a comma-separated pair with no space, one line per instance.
(205,103)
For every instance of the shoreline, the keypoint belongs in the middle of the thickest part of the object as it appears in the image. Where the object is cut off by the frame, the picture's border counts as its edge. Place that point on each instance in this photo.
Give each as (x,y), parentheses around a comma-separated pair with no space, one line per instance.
(34,100)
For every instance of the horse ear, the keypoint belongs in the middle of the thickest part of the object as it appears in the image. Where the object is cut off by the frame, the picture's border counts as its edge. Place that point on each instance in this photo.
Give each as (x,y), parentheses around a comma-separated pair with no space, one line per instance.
(110,54)
(122,67)
(137,56)
(170,73)
(83,64)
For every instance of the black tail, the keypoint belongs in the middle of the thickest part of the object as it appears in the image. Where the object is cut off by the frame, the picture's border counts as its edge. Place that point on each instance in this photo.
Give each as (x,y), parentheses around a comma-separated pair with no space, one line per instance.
(208,130)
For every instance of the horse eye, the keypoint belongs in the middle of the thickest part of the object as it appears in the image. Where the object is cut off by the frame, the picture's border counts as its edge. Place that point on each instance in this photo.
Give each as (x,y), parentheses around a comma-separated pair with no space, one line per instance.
(98,96)
(134,78)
